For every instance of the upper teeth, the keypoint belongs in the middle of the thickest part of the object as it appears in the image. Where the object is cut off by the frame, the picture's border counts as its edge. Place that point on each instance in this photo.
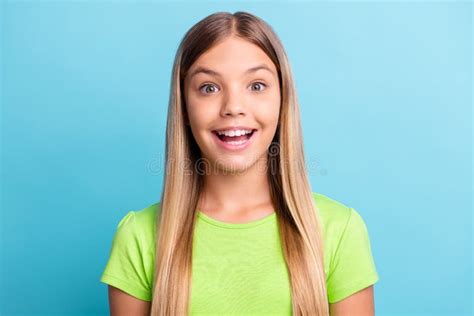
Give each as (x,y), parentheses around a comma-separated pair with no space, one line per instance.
(233,133)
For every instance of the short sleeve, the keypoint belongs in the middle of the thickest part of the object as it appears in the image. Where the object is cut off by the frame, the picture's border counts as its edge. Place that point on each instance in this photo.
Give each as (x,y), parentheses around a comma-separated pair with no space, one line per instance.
(352,268)
(125,268)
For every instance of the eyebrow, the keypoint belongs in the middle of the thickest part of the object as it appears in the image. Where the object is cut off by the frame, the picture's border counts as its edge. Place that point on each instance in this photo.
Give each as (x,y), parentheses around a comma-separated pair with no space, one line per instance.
(215,73)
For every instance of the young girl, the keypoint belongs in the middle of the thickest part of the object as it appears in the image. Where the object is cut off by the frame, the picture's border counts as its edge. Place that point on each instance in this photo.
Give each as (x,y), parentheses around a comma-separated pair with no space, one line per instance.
(238,229)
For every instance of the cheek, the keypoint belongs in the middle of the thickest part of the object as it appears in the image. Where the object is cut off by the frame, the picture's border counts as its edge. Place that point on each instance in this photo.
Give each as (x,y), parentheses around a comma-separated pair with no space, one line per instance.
(199,113)
(200,121)
(269,109)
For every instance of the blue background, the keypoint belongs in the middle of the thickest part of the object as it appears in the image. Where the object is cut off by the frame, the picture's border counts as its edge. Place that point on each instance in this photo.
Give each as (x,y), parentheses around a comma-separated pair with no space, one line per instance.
(385,94)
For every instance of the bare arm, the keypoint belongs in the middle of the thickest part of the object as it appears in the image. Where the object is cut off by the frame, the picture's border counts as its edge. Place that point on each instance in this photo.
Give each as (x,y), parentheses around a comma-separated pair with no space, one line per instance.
(358,304)
(123,304)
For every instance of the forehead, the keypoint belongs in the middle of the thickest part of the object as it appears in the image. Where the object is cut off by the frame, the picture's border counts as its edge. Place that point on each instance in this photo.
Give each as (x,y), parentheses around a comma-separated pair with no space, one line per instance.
(233,56)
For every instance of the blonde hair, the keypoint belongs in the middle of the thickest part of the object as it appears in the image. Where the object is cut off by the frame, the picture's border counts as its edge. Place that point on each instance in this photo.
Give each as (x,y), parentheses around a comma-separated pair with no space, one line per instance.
(298,219)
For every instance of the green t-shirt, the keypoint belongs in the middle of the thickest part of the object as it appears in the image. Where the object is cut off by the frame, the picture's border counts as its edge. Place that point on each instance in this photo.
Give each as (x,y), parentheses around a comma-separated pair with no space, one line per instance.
(240,268)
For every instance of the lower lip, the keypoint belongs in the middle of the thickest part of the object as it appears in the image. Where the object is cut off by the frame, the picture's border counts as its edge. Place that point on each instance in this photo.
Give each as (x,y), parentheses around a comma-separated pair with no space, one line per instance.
(229,146)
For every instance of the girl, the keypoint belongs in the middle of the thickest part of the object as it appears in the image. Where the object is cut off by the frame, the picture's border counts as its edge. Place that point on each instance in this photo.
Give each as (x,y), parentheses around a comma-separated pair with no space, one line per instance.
(238,229)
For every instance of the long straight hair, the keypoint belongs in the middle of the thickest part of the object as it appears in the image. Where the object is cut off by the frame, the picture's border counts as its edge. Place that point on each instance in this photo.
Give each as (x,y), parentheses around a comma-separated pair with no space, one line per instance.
(291,194)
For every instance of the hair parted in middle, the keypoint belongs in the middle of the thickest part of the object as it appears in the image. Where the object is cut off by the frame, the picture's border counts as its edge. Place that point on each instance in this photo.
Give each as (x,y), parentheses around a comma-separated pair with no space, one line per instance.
(298,217)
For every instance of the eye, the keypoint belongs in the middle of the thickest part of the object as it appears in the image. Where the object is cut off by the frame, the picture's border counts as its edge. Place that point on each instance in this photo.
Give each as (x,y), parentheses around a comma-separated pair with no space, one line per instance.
(207,88)
(260,86)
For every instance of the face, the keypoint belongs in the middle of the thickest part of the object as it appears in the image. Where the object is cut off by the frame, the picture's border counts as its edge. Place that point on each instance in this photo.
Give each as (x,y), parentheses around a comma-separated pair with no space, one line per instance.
(230,90)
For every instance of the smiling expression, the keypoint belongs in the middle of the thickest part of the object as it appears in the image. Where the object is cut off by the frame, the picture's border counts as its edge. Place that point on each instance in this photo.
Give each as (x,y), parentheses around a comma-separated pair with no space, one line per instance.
(232,98)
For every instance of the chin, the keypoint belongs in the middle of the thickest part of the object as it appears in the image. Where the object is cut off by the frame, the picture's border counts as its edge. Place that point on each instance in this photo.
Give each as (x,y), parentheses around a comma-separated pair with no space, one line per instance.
(233,166)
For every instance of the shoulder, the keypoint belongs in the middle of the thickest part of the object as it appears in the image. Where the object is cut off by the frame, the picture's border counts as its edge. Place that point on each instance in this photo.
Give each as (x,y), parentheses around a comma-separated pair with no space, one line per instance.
(147,214)
(334,215)
(131,260)
(348,259)
(338,222)
(139,226)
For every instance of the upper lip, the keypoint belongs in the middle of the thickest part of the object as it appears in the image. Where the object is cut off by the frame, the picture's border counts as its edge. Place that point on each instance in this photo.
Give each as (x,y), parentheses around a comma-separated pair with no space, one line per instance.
(233,128)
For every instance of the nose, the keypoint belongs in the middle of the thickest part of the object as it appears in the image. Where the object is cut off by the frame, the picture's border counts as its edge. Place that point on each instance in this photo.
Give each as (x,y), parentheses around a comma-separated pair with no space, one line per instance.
(233,104)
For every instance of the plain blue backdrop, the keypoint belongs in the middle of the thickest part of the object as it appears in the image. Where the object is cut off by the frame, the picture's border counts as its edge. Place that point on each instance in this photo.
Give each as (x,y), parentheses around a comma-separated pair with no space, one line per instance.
(385,90)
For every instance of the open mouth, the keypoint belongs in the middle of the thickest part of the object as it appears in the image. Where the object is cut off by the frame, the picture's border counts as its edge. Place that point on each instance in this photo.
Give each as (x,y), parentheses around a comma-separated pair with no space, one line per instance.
(234,141)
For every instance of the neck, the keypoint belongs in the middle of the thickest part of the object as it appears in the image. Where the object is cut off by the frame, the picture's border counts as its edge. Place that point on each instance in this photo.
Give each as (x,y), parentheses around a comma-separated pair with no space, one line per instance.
(236,192)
